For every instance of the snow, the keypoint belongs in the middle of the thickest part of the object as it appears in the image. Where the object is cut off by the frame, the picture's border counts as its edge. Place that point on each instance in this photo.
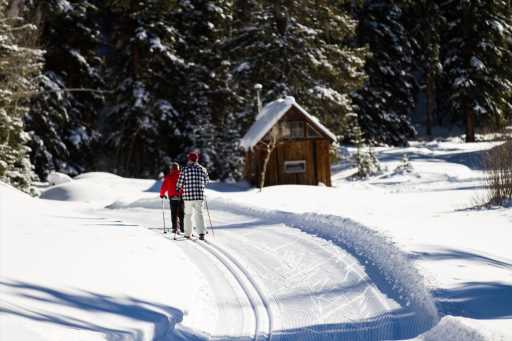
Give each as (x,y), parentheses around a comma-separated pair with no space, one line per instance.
(66,275)
(141,34)
(156,44)
(54,83)
(498,26)
(463,81)
(242,67)
(330,94)
(64,6)
(166,109)
(79,136)
(385,258)
(390,262)
(270,115)
(477,64)
(174,58)
(100,189)
(458,329)
(463,253)
(308,30)
(140,95)
(56,178)
(79,57)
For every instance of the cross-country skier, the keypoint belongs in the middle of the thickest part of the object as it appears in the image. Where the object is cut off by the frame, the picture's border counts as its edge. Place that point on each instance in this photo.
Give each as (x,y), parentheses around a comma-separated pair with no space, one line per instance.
(192,181)
(168,189)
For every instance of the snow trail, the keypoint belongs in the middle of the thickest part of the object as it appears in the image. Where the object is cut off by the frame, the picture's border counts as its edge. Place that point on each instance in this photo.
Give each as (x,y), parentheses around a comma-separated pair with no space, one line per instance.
(379,255)
(261,308)
(297,286)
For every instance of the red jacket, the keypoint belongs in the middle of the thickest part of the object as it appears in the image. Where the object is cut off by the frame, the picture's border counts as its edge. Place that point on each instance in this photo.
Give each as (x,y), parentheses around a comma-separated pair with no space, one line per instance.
(169,185)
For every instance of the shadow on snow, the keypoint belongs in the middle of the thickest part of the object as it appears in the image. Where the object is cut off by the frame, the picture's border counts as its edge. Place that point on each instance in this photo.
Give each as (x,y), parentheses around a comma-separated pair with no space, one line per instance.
(160,315)
(478,300)
(223,187)
(393,325)
(449,254)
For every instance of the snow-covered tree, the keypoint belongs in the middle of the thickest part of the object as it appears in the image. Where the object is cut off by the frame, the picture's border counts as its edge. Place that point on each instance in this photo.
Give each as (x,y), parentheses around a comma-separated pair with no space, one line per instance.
(20,65)
(364,158)
(143,120)
(211,105)
(477,61)
(297,48)
(225,107)
(62,120)
(387,99)
(424,21)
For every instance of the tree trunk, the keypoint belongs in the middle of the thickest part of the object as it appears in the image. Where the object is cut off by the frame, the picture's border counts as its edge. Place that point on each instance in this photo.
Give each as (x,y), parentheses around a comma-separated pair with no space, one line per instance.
(468,111)
(430,104)
(470,121)
(242,12)
(281,17)
(270,148)
(15,8)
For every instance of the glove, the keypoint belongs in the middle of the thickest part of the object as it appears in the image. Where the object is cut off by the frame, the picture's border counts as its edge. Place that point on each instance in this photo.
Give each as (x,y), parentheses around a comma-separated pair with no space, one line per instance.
(163,196)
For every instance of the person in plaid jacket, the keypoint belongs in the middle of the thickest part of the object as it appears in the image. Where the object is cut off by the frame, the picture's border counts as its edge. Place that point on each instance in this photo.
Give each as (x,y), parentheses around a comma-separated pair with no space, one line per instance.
(192,182)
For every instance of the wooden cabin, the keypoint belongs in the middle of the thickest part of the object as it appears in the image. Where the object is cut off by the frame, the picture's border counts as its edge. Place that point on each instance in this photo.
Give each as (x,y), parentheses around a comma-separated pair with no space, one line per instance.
(302,150)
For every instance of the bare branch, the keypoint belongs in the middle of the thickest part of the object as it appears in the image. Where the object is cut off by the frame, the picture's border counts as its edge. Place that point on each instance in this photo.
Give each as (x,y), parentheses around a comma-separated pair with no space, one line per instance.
(37,92)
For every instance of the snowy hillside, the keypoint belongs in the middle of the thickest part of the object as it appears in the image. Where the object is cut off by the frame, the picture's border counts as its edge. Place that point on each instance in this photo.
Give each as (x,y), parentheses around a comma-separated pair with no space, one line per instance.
(380,259)
(67,275)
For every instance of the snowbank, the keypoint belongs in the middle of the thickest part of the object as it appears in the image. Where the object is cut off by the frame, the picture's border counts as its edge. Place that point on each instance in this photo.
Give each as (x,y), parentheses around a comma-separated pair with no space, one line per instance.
(458,329)
(68,275)
(78,191)
(101,188)
(56,178)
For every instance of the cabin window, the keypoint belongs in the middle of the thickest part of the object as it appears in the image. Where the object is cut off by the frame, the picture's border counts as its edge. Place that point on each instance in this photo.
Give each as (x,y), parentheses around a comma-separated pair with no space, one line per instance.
(293,129)
(311,132)
(292,167)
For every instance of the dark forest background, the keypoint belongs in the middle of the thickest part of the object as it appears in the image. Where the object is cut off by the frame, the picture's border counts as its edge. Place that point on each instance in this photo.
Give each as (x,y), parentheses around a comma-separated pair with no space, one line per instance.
(126,86)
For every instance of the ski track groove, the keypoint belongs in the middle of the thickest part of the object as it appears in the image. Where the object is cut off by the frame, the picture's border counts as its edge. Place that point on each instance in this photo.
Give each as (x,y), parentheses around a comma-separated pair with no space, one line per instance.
(237,271)
(262,297)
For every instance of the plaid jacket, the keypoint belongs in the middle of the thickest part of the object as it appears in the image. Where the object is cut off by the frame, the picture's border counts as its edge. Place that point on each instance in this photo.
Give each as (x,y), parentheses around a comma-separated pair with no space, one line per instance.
(193,179)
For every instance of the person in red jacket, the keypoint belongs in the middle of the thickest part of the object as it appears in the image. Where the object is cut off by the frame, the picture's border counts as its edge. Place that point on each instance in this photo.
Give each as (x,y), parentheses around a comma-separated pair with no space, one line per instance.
(168,190)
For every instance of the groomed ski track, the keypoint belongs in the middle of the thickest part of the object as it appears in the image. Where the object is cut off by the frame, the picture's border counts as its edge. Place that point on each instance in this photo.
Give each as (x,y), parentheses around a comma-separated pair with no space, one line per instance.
(259,304)
(269,280)
(295,286)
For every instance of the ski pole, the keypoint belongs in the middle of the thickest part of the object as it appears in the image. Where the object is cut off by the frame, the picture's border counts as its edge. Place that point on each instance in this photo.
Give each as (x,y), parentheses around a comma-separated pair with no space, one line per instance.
(209,218)
(176,227)
(163,214)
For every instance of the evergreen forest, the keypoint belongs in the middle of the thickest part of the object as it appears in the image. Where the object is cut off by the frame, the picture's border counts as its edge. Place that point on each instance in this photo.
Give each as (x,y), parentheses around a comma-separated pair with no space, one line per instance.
(127,86)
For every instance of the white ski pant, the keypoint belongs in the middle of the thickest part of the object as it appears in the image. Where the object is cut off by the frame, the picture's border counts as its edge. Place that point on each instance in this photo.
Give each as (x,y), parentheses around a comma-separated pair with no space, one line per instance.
(194,213)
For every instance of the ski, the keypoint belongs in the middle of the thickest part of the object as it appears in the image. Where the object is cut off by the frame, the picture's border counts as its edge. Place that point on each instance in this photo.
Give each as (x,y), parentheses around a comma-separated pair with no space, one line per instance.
(182,237)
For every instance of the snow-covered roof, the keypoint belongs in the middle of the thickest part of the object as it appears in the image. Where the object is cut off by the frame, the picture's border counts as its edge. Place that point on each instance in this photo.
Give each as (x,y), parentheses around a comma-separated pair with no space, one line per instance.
(270,115)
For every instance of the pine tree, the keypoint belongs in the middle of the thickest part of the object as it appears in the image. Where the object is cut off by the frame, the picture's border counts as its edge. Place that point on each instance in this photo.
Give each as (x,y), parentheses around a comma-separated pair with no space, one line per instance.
(298,48)
(364,159)
(63,117)
(227,110)
(143,119)
(20,65)
(210,101)
(424,21)
(386,101)
(476,58)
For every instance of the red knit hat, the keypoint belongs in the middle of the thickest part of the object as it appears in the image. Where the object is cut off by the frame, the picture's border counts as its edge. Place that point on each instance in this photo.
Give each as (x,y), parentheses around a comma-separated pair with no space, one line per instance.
(192,156)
